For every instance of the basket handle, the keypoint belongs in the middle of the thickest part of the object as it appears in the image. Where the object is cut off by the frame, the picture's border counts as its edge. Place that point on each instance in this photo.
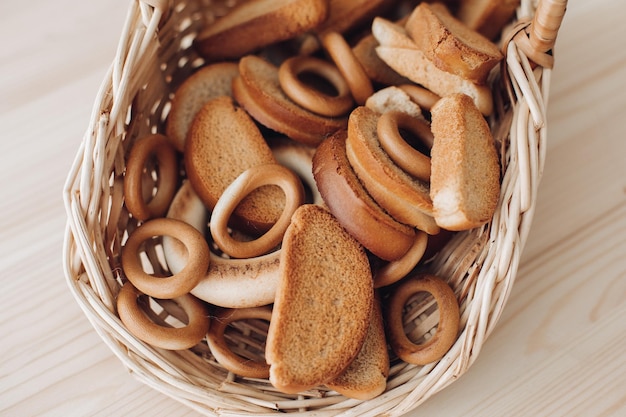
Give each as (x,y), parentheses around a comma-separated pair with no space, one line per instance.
(546,23)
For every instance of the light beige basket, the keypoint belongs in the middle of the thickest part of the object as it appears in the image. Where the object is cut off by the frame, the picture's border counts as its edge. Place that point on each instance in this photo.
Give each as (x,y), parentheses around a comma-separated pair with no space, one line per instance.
(154,56)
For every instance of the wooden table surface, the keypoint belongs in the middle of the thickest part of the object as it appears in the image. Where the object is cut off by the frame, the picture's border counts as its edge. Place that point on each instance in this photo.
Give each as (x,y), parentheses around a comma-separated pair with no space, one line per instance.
(559,348)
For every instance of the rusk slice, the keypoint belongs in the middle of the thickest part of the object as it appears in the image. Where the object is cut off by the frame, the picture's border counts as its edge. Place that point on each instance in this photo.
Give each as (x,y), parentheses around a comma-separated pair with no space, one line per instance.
(350,203)
(450,44)
(405,198)
(209,82)
(222,143)
(261,95)
(323,302)
(366,377)
(488,17)
(399,51)
(258,23)
(375,68)
(465,170)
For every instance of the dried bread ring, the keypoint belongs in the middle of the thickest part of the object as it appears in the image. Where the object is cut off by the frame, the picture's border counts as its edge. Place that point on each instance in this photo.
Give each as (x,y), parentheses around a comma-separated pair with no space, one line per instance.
(249,180)
(412,161)
(309,97)
(171,338)
(156,145)
(349,66)
(179,283)
(449,317)
(233,362)
(423,97)
(396,270)
(229,283)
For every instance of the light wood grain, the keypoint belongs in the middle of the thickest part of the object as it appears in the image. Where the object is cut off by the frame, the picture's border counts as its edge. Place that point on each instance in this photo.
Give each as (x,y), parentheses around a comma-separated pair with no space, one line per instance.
(557,350)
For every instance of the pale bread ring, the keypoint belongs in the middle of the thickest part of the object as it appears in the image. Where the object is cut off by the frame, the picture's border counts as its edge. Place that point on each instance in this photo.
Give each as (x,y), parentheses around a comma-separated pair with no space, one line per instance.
(181,282)
(156,145)
(298,157)
(229,283)
(423,97)
(223,354)
(349,66)
(249,180)
(171,338)
(412,161)
(447,329)
(396,270)
(309,97)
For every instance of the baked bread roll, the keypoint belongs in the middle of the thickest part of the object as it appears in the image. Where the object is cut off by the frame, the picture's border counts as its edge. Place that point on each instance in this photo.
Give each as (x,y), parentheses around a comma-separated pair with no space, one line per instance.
(254,24)
(450,44)
(488,17)
(465,170)
(222,143)
(323,302)
(405,198)
(208,82)
(366,377)
(350,203)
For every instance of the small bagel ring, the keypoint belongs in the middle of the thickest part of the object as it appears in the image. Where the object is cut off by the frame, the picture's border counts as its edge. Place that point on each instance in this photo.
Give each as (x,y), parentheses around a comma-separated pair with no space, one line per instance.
(423,97)
(404,155)
(309,97)
(171,338)
(298,158)
(249,180)
(219,348)
(229,283)
(179,283)
(349,66)
(447,329)
(398,269)
(159,146)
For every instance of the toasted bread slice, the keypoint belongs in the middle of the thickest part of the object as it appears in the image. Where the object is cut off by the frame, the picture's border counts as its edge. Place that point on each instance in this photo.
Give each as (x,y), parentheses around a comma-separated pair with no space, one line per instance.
(405,198)
(344,16)
(254,24)
(488,17)
(261,95)
(399,51)
(222,143)
(465,170)
(350,203)
(366,377)
(375,68)
(393,98)
(323,302)
(450,44)
(208,82)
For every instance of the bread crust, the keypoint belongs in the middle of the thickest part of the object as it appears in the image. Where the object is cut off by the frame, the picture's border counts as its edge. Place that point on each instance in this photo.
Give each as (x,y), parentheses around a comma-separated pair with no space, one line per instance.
(488,17)
(259,92)
(254,24)
(350,203)
(208,82)
(465,169)
(222,143)
(405,198)
(323,302)
(366,376)
(450,44)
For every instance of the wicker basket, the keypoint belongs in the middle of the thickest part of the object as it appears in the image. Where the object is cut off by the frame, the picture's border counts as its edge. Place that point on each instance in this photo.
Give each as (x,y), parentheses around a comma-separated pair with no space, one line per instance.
(154,56)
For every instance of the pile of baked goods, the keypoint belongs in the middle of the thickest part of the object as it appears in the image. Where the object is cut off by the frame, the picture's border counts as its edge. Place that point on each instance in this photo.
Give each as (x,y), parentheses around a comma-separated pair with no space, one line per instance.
(306,174)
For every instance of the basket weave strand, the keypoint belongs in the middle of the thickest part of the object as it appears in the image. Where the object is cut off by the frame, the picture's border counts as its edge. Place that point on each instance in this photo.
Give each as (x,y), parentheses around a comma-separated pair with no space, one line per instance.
(153,58)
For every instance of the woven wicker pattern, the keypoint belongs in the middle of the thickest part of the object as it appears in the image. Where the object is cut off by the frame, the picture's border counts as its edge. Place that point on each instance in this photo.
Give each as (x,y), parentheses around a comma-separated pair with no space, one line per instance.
(153,58)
